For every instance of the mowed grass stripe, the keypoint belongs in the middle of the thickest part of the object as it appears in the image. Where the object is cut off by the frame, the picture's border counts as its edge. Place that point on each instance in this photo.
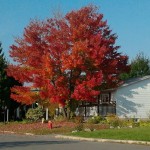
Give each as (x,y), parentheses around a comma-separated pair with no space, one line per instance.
(140,134)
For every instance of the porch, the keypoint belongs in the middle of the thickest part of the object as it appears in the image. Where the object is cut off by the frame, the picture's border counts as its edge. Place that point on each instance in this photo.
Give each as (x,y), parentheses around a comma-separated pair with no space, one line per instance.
(102,106)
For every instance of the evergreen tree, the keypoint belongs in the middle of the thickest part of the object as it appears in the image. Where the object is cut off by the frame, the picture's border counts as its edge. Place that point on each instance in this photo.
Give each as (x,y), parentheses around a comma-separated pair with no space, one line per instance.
(3,77)
(140,66)
(5,85)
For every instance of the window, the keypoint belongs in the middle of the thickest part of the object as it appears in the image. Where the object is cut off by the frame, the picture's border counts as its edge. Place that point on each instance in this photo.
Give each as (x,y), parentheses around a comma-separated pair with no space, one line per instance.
(105,98)
(104,110)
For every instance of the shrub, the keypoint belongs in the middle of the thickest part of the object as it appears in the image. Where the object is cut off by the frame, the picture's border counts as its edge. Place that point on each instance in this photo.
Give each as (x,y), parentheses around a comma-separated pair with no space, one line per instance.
(135,124)
(79,119)
(79,127)
(34,114)
(59,118)
(114,121)
(95,119)
(91,127)
(117,123)
(96,126)
(51,109)
(25,121)
(145,123)
(110,117)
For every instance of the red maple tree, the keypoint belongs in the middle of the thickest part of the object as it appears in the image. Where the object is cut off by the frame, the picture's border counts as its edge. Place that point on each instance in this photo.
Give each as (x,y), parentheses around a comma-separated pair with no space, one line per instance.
(68,59)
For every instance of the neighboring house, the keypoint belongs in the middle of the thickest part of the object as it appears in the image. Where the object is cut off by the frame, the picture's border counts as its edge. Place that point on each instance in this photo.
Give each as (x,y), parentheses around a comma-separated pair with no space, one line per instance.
(131,99)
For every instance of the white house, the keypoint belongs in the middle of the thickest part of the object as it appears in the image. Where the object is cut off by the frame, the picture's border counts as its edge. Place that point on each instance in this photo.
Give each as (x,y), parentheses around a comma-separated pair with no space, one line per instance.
(133,98)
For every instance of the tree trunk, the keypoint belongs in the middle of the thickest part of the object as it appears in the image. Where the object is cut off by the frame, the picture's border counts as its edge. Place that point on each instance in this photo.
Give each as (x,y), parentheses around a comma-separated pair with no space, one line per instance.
(66,113)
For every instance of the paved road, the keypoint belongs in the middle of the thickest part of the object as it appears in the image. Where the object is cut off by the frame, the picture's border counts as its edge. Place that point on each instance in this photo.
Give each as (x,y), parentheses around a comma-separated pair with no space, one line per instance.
(23,142)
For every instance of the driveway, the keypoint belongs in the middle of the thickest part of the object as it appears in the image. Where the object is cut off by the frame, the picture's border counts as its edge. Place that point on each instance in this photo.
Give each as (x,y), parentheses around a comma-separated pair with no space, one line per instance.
(46,142)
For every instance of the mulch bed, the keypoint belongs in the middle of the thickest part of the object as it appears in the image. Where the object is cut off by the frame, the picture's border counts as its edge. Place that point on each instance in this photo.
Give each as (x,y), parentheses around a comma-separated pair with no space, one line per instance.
(20,127)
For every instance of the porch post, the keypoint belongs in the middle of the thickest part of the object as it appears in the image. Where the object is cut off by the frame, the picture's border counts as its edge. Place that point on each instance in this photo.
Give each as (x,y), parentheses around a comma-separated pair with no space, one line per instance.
(85,110)
(7,115)
(46,113)
(18,112)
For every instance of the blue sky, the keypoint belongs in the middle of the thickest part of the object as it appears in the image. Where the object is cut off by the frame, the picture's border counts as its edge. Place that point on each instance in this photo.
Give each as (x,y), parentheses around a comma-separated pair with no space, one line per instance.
(129,19)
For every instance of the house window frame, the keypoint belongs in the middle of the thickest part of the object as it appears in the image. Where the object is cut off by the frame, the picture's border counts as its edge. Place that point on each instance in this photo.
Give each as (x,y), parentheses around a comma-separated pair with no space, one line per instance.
(105,98)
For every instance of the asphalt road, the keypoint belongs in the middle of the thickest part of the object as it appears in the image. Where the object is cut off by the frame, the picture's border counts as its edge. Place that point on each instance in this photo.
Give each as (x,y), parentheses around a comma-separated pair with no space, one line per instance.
(24,142)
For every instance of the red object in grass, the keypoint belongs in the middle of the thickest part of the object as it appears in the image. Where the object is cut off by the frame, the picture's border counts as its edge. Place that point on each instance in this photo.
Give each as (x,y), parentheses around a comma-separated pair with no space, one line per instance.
(50,124)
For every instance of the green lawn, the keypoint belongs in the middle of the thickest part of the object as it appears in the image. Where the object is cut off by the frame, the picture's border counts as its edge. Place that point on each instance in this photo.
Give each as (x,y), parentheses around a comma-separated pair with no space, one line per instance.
(137,133)
(140,134)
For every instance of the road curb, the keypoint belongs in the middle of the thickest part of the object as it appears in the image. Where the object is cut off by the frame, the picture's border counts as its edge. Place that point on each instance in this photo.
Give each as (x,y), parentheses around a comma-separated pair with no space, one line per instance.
(11,132)
(87,139)
(103,140)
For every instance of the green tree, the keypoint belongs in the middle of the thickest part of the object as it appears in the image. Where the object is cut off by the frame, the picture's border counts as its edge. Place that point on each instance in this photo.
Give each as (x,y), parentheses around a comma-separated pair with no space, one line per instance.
(6,83)
(140,66)
(3,78)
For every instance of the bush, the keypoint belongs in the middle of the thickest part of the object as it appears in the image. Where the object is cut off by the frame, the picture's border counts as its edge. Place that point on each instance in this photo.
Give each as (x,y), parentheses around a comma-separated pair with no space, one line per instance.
(96,126)
(145,123)
(114,121)
(25,121)
(51,109)
(135,124)
(79,119)
(91,127)
(117,123)
(79,127)
(34,114)
(59,118)
(95,119)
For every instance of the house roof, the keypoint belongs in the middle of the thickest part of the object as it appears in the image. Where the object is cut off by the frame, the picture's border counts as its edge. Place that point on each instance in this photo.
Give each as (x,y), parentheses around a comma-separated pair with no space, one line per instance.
(134,80)
(127,83)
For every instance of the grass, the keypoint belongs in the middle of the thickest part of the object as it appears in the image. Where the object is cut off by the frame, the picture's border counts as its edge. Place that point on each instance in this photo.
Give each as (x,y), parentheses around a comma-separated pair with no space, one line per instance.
(102,131)
(139,134)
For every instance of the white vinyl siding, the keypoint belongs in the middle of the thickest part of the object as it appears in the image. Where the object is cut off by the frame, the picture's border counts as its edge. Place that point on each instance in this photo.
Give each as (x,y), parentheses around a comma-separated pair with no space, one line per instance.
(133,100)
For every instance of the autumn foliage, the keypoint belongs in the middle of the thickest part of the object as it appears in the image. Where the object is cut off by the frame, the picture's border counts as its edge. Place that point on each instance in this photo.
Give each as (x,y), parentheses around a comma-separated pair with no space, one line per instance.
(67,59)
